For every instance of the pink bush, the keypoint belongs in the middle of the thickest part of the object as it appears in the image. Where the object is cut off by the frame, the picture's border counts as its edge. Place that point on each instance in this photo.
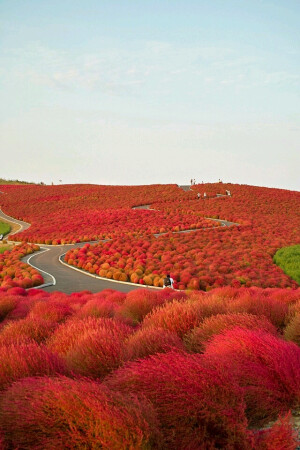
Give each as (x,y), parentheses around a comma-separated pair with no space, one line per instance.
(196,340)
(49,413)
(265,366)
(195,404)
(274,309)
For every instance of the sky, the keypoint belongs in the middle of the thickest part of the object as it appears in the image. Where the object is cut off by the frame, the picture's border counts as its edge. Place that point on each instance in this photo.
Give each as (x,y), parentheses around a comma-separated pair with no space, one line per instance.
(143,92)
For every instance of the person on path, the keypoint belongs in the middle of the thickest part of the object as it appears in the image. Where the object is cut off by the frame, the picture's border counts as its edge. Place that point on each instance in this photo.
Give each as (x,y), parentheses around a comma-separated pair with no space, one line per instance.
(198,195)
(168,282)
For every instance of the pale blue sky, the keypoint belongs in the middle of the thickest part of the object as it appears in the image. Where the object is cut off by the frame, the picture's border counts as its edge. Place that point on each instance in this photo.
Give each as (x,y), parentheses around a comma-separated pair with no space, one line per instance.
(139,92)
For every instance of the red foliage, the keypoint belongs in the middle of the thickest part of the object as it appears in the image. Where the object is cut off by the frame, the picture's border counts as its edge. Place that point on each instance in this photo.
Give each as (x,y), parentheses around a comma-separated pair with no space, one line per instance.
(139,303)
(7,304)
(149,341)
(55,310)
(25,360)
(182,316)
(292,330)
(195,404)
(280,436)
(26,330)
(196,340)
(16,274)
(91,347)
(265,366)
(260,304)
(98,306)
(48,413)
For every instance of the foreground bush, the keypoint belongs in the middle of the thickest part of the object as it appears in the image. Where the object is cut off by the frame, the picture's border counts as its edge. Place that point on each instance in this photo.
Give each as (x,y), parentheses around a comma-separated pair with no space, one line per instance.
(195,404)
(265,366)
(26,330)
(56,413)
(24,360)
(90,347)
(282,435)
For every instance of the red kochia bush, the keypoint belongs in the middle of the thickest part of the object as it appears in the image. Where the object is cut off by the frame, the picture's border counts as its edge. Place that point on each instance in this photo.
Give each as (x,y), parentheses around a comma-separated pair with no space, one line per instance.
(196,340)
(25,360)
(51,309)
(274,309)
(265,366)
(98,307)
(140,302)
(149,341)
(49,413)
(66,336)
(7,304)
(292,330)
(182,316)
(281,436)
(90,347)
(197,406)
(25,330)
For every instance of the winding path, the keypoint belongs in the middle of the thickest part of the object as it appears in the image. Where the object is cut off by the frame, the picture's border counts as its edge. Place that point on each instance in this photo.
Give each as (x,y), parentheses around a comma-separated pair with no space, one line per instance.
(59,276)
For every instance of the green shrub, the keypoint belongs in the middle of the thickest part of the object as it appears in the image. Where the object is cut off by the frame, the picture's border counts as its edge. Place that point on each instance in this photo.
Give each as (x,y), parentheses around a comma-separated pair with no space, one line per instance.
(288,258)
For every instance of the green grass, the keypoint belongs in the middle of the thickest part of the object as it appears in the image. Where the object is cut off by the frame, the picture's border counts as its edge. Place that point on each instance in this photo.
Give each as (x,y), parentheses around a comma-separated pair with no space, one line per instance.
(288,258)
(3,248)
(4,228)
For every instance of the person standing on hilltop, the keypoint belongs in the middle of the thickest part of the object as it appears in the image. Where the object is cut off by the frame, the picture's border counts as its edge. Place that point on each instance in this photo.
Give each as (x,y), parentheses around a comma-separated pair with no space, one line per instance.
(168,282)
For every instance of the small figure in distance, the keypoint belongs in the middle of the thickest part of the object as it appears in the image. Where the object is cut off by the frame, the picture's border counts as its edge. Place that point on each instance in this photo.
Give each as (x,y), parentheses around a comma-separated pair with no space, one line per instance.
(191,181)
(1,237)
(198,196)
(194,181)
(228,192)
(168,282)
(204,195)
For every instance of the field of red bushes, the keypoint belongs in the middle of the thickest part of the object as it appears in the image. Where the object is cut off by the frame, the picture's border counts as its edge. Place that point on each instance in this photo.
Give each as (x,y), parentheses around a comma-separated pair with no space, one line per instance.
(214,256)
(150,369)
(14,272)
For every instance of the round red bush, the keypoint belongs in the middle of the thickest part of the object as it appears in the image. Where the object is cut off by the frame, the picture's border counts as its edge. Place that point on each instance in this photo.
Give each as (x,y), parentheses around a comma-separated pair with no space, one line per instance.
(196,340)
(49,413)
(182,316)
(265,366)
(149,341)
(25,360)
(196,405)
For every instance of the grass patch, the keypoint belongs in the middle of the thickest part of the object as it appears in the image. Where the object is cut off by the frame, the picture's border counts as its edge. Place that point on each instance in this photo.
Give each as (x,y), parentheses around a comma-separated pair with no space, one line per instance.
(288,258)
(4,228)
(3,248)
